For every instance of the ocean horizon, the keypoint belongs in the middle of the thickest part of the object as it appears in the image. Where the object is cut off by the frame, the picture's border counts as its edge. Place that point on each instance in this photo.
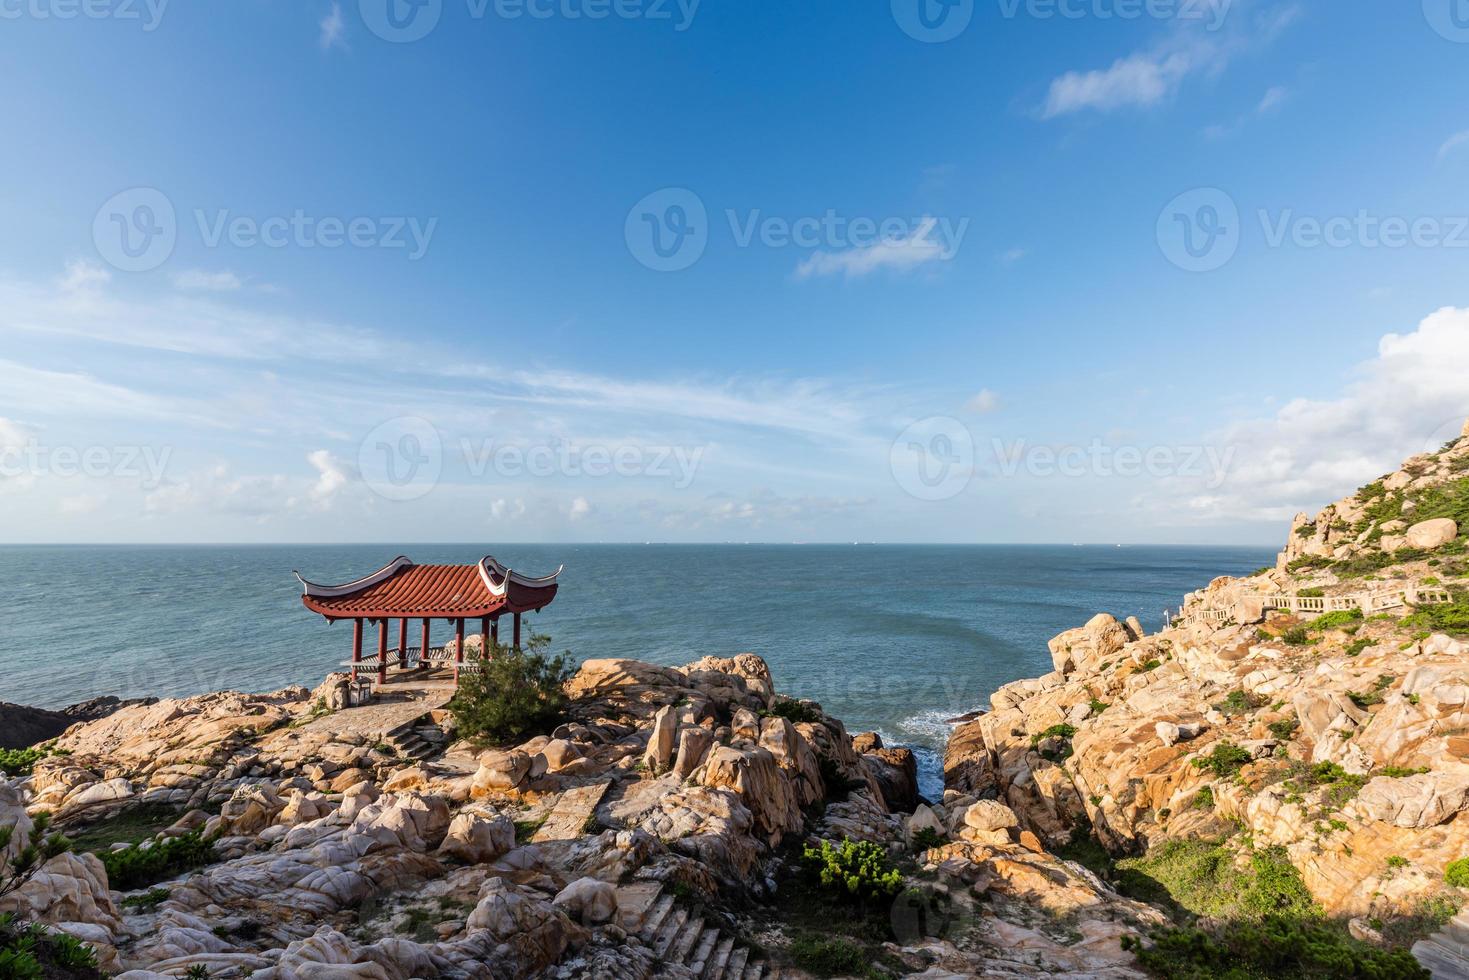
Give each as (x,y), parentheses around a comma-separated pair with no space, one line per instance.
(890,638)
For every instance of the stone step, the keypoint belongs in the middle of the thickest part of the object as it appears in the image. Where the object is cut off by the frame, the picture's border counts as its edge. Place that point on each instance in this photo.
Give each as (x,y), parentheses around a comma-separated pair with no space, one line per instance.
(635,902)
(670,931)
(714,968)
(735,968)
(688,938)
(703,951)
(655,918)
(571,813)
(754,971)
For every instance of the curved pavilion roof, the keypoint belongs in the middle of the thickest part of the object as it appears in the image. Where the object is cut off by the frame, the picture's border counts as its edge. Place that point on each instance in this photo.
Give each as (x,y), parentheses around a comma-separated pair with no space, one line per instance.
(402,589)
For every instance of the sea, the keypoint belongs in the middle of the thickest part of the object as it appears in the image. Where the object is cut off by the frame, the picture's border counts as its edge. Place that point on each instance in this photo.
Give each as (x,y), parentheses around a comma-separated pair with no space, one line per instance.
(895,639)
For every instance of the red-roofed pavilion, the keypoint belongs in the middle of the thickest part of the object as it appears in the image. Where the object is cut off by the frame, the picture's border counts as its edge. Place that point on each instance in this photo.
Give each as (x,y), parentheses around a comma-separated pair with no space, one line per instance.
(402,590)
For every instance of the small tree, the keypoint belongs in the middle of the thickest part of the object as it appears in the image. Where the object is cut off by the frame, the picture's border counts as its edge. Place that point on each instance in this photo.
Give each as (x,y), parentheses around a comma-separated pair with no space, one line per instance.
(512,694)
(27,950)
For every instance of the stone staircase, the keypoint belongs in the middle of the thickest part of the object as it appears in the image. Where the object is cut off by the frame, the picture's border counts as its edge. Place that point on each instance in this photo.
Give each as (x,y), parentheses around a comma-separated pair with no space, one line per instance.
(685,938)
(1445,954)
(421,738)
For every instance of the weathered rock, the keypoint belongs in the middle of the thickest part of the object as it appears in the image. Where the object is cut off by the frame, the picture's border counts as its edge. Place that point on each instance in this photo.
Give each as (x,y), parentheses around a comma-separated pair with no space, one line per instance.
(662,740)
(478,836)
(588,901)
(1429,535)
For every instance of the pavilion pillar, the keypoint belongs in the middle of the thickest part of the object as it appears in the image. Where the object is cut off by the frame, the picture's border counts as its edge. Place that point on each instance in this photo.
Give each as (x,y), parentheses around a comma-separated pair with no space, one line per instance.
(458,647)
(484,650)
(423,644)
(356,641)
(403,643)
(517,631)
(495,631)
(382,650)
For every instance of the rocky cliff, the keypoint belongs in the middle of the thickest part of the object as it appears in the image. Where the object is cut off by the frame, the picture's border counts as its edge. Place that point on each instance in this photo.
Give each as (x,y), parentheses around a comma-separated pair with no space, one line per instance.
(1319,708)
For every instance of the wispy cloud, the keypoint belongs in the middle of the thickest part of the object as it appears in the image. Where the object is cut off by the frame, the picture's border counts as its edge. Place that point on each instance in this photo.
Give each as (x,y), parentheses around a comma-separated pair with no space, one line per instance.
(983,402)
(1270,102)
(902,254)
(1153,76)
(332,29)
(218,282)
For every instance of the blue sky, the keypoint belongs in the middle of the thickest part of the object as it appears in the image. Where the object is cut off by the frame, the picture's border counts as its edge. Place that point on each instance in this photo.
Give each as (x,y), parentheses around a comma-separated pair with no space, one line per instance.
(1027,352)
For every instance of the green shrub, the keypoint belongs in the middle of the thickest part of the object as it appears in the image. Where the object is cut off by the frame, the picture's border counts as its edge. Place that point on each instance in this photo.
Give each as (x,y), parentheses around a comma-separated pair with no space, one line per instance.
(1152,664)
(1447,617)
(1224,760)
(1396,861)
(794,711)
(139,867)
(1204,799)
(19,762)
(1062,730)
(1315,593)
(1239,703)
(926,839)
(1098,707)
(147,901)
(1335,620)
(1357,646)
(1284,729)
(40,846)
(1296,636)
(1400,772)
(514,695)
(1276,946)
(856,871)
(828,956)
(1457,873)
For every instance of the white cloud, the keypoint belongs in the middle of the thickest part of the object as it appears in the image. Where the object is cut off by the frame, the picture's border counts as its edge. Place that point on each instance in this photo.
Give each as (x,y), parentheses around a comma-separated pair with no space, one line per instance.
(983,402)
(81,274)
(332,475)
(501,508)
(1273,99)
(901,254)
(83,503)
(1451,144)
(580,508)
(218,490)
(332,28)
(1011,256)
(1411,398)
(208,281)
(1150,77)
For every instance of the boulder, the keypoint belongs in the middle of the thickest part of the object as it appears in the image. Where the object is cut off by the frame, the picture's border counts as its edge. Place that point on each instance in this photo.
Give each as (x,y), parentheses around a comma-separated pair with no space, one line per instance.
(896,774)
(1413,802)
(478,837)
(659,755)
(989,815)
(693,748)
(587,900)
(500,772)
(1428,535)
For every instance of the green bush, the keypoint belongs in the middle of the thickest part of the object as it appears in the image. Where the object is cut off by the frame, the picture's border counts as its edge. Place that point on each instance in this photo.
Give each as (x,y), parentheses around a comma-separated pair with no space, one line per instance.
(19,762)
(27,951)
(1276,946)
(1457,873)
(1224,760)
(1357,646)
(1447,617)
(828,956)
(856,871)
(1204,799)
(1296,636)
(1335,620)
(1098,706)
(793,711)
(1062,730)
(515,694)
(926,839)
(1239,703)
(139,867)
(1400,772)
(1284,729)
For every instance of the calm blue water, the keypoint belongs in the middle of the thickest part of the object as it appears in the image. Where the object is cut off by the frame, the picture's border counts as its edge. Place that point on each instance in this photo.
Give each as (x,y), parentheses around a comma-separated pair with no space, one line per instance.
(887,637)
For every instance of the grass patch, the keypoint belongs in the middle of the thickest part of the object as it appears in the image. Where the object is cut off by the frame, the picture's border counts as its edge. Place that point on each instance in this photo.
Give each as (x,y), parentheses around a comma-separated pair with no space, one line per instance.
(131,826)
(1224,760)
(1239,703)
(1335,620)
(138,867)
(1277,946)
